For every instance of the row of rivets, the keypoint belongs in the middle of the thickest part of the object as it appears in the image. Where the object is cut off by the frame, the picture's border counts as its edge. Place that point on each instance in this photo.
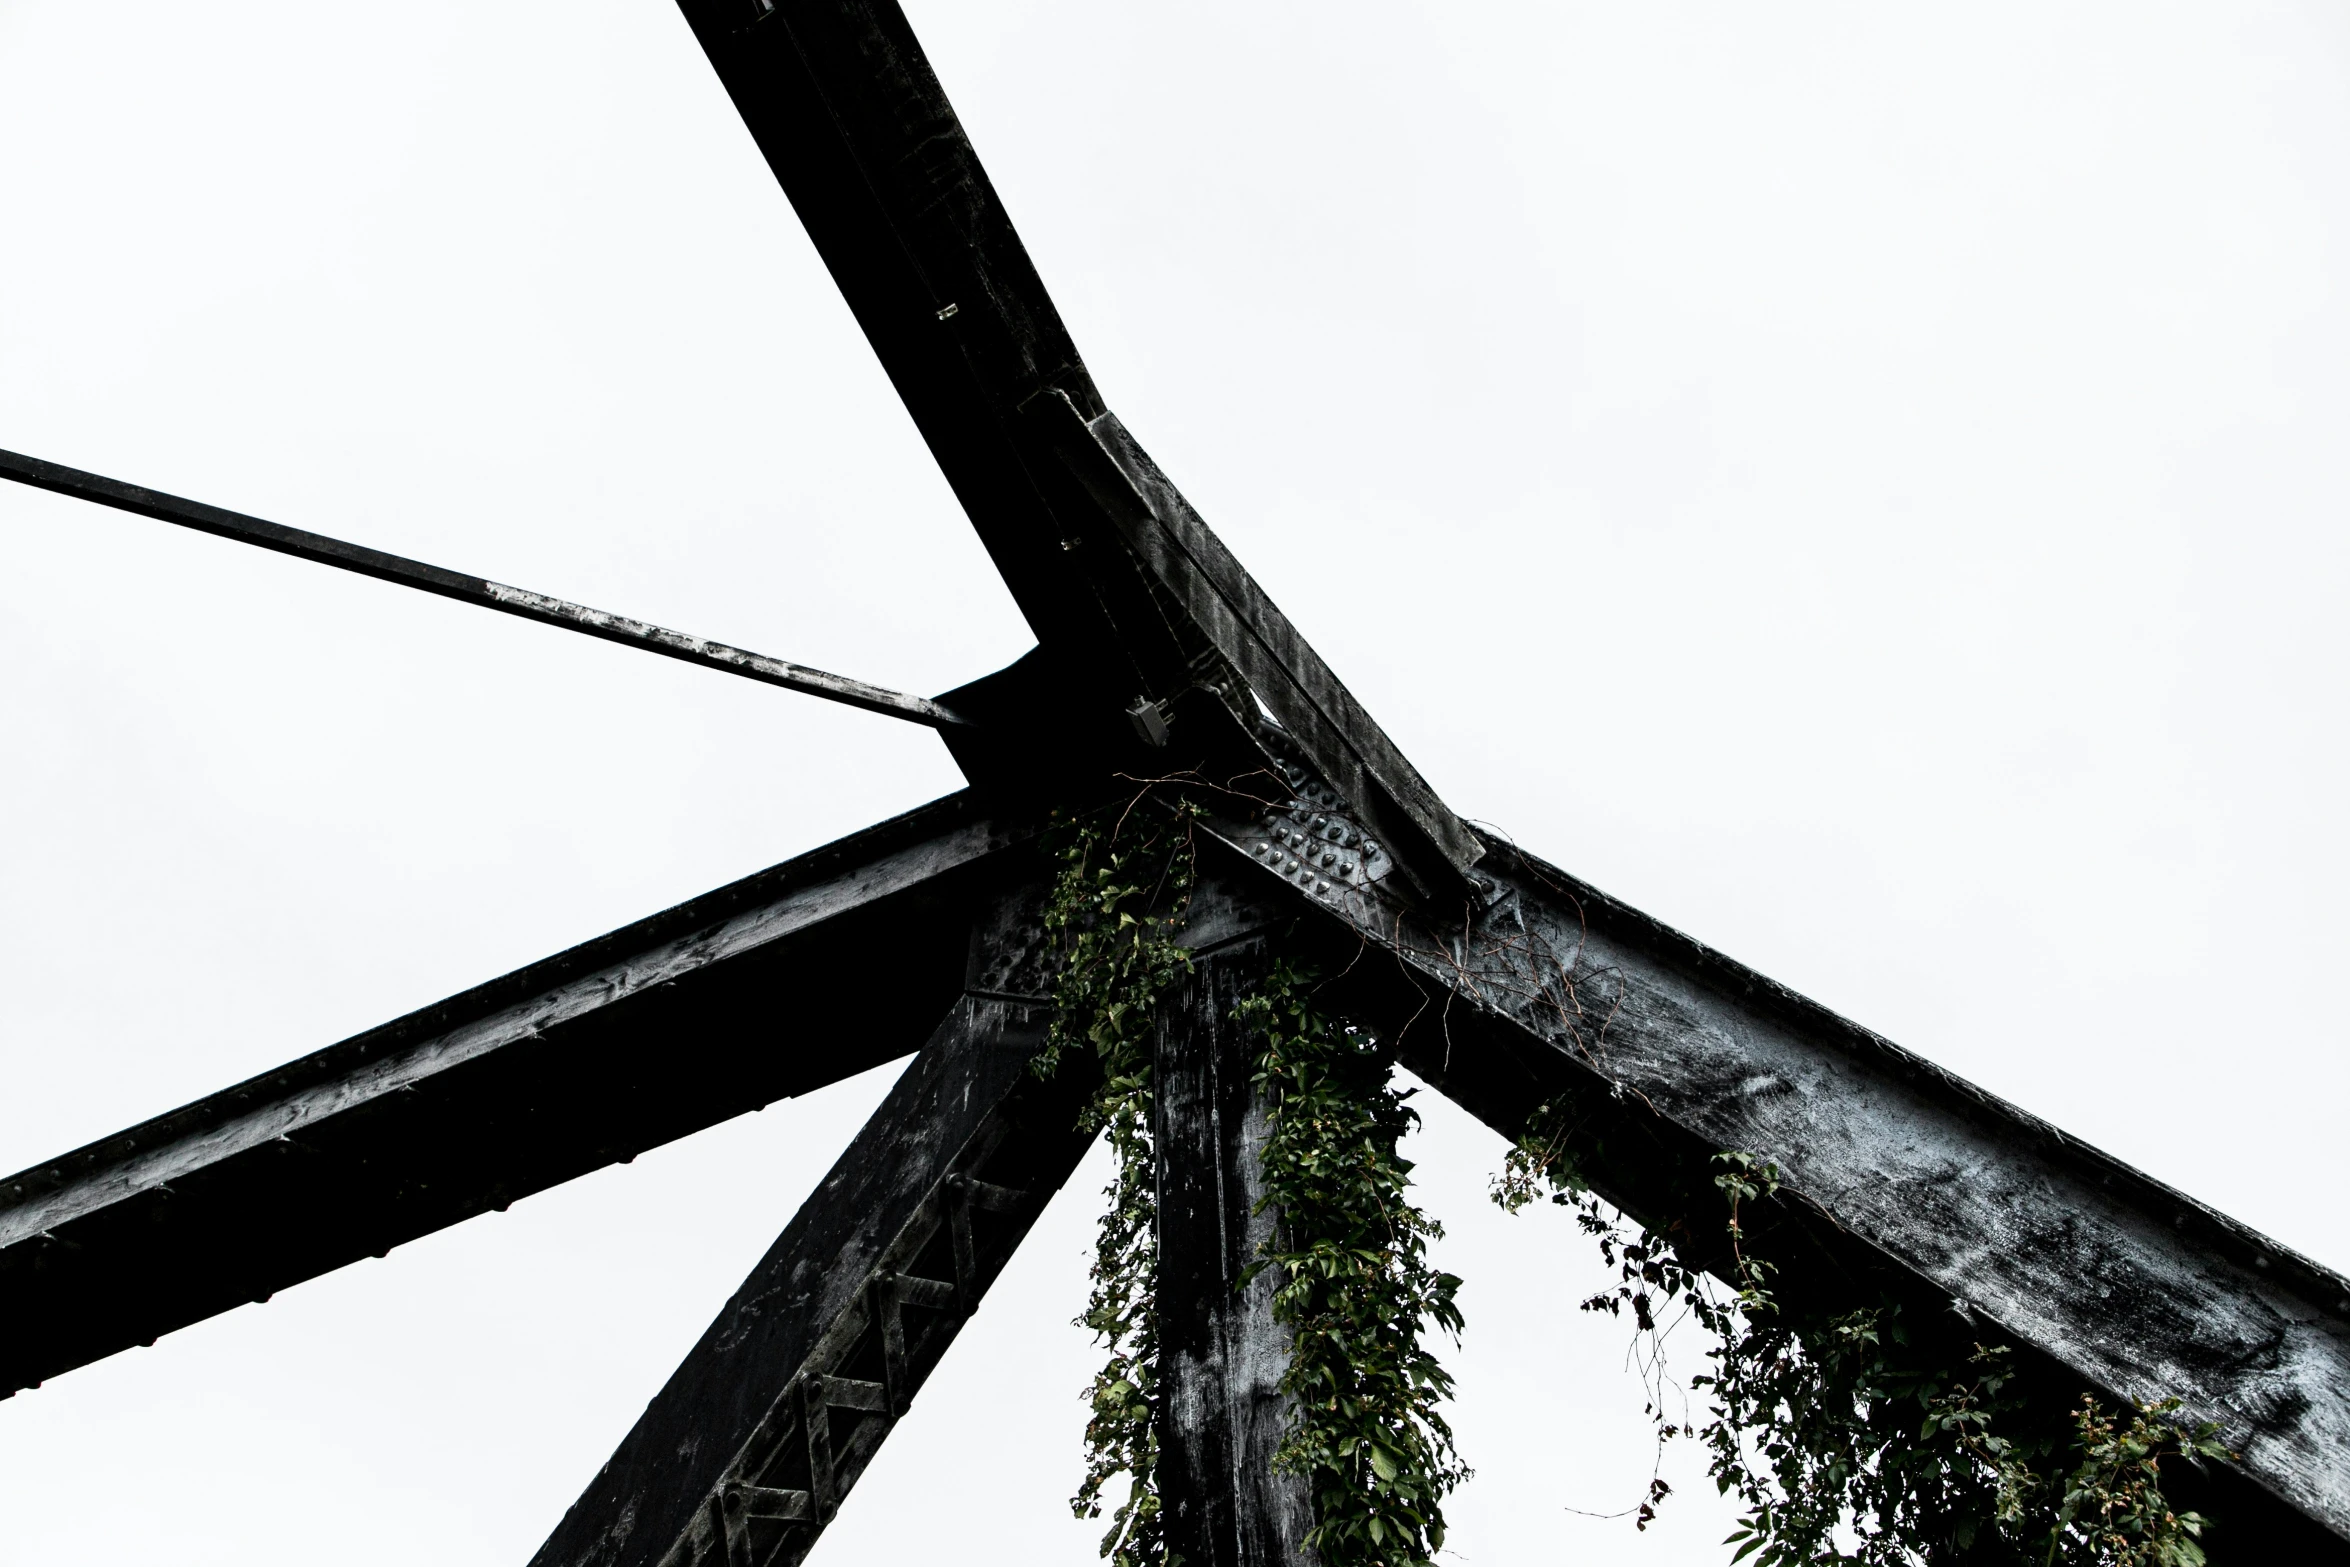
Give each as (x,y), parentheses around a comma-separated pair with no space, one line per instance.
(1324,825)
(1304,870)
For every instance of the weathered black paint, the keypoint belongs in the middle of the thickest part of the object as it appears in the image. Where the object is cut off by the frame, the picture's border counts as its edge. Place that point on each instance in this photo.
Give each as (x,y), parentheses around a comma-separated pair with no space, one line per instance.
(779,984)
(744,1456)
(1544,989)
(1127,590)
(547,611)
(1222,1355)
(1508,985)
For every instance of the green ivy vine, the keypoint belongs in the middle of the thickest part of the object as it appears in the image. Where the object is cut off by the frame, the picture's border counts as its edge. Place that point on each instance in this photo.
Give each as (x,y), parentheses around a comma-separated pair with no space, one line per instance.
(1116,908)
(1862,1436)
(1354,1284)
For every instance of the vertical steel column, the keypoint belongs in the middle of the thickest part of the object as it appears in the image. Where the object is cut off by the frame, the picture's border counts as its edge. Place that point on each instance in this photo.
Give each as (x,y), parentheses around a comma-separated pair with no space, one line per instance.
(1221,1355)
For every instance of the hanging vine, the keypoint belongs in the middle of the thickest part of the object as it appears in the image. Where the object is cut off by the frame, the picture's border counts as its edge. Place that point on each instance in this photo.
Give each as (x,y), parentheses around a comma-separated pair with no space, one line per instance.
(1116,908)
(1355,1286)
(1353,1281)
(1858,1437)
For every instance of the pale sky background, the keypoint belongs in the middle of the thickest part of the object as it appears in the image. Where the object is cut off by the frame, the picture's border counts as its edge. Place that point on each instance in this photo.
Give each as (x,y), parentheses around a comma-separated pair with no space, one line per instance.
(1864,484)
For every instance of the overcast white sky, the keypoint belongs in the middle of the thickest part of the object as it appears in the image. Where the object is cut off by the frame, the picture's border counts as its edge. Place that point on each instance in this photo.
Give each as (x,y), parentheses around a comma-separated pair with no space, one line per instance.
(1863,483)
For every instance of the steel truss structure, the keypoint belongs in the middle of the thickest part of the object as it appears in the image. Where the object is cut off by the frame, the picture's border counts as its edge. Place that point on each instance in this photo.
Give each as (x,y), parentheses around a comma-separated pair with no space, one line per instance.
(1504,982)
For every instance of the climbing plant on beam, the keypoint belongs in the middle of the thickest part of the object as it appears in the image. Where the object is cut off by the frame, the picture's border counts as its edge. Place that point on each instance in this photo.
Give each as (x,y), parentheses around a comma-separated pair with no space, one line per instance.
(1865,1432)
(1352,1280)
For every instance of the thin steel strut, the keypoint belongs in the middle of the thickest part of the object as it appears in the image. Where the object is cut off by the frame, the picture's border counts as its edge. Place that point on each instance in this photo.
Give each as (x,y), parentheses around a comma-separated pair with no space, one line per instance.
(540,607)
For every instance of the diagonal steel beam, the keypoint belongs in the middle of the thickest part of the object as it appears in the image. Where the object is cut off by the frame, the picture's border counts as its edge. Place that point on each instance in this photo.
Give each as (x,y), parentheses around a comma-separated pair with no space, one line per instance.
(1666,1051)
(784,982)
(1137,605)
(744,1455)
(439,580)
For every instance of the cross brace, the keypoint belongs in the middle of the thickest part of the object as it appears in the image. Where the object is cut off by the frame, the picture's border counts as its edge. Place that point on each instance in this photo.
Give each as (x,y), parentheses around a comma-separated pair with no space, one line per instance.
(743,1458)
